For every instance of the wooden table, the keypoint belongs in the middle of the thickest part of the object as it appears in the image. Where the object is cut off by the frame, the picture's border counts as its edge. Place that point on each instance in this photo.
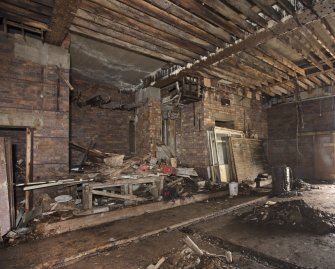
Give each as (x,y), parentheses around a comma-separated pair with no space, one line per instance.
(102,189)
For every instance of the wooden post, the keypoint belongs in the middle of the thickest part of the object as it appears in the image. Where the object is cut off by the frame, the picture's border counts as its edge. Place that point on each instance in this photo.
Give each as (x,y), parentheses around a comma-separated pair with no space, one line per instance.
(29,155)
(87,197)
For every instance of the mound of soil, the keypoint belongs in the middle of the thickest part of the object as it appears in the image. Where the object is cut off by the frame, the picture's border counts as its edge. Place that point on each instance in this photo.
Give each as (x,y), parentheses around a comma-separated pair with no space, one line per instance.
(294,214)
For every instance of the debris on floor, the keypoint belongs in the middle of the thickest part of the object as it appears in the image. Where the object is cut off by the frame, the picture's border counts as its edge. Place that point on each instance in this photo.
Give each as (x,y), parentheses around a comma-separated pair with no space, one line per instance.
(192,257)
(294,214)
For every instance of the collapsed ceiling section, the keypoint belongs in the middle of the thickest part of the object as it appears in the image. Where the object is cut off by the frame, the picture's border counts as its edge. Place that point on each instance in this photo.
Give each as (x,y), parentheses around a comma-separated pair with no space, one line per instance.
(268,46)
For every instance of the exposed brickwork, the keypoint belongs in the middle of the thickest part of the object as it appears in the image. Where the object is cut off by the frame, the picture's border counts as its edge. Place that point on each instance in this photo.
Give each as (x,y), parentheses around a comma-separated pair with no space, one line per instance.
(192,137)
(110,128)
(246,113)
(192,144)
(302,156)
(148,126)
(29,99)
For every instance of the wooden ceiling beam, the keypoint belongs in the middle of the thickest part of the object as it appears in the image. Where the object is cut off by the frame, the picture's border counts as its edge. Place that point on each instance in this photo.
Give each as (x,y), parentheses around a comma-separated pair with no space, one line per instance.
(312,44)
(324,79)
(227,74)
(33,7)
(19,11)
(323,35)
(144,18)
(271,61)
(316,81)
(63,14)
(280,58)
(205,14)
(294,43)
(48,3)
(125,30)
(235,69)
(331,76)
(267,9)
(129,39)
(229,13)
(262,66)
(141,27)
(285,4)
(22,20)
(179,23)
(252,72)
(317,78)
(114,41)
(245,8)
(277,29)
(183,14)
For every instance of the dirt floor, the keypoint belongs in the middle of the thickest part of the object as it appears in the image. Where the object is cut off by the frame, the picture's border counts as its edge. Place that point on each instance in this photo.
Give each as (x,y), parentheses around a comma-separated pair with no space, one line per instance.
(252,245)
(42,251)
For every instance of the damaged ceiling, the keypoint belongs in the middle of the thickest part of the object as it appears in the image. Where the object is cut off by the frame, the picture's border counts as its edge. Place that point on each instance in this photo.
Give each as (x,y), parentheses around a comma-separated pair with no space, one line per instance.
(268,46)
(107,64)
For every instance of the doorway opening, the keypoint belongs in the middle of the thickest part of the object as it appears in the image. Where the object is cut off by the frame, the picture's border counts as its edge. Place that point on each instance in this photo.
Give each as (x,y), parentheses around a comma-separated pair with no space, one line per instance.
(16,150)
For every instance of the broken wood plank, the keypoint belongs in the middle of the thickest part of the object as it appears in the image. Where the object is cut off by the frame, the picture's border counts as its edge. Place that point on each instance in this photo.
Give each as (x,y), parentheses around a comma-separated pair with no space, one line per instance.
(5,218)
(118,196)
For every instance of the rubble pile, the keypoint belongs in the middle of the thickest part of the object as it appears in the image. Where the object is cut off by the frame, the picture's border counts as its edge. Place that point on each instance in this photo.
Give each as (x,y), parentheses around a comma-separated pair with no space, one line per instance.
(301,185)
(295,214)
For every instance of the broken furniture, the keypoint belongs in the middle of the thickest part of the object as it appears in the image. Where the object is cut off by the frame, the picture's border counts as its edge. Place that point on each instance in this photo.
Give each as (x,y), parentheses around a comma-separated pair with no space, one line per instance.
(126,185)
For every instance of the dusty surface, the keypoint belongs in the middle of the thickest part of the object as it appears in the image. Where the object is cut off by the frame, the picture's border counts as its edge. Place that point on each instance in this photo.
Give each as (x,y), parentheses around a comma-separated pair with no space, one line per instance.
(40,251)
(253,246)
(145,252)
(295,248)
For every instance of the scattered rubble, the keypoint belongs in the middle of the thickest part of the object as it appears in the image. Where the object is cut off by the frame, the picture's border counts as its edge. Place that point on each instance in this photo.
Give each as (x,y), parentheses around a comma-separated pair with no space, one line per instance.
(192,257)
(295,214)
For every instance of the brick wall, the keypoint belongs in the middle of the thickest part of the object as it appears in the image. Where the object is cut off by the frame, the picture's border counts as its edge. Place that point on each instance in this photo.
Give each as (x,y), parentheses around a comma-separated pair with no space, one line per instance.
(109,128)
(28,98)
(306,155)
(191,137)
(192,145)
(148,126)
(246,113)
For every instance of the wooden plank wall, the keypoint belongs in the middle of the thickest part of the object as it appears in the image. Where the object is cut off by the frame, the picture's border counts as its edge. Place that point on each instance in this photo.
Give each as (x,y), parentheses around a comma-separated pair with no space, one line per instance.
(249,156)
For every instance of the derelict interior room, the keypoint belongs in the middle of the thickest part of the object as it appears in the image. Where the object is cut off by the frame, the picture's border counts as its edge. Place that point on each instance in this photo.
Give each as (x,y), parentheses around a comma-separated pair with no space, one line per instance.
(167,134)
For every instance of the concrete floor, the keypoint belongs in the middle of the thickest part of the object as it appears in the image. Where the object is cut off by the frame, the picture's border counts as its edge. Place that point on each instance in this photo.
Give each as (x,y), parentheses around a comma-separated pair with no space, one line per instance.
(252,246)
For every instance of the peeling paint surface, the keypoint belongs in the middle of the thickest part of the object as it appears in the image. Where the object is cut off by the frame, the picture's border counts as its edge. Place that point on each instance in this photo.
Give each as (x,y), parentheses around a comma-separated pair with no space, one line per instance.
(107,64)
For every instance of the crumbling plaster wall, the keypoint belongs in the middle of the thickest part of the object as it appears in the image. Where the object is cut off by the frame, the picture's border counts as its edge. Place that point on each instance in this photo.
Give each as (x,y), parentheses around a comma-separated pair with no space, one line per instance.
(311,153)
(108,128)
(28,98)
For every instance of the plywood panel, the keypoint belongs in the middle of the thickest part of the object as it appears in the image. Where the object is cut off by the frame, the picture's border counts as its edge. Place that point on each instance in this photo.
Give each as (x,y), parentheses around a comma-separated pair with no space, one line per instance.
(5,223)
(324,152)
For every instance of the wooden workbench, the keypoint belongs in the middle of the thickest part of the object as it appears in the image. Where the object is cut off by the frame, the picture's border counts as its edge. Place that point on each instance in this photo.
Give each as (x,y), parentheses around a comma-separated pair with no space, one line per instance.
(104,189)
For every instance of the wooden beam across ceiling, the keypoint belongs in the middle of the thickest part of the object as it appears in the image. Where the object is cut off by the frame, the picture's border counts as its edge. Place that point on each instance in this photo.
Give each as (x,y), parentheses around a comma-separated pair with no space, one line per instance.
(323,9)
(141,27)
